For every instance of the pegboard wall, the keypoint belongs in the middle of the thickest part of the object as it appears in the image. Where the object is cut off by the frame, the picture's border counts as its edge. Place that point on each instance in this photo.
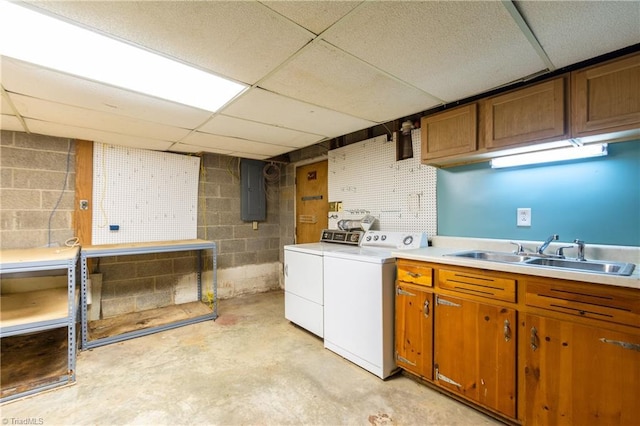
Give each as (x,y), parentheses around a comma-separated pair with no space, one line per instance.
(147,195)
(366,177)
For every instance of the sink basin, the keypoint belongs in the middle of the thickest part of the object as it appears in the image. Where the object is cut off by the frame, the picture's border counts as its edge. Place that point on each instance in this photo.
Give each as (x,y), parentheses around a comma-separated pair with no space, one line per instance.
(492,256)
(595,266)
(612,268)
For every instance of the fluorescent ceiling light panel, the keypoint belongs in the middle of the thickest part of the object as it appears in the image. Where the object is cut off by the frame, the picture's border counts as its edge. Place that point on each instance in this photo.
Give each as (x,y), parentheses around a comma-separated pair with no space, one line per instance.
(43,40)
(550,156)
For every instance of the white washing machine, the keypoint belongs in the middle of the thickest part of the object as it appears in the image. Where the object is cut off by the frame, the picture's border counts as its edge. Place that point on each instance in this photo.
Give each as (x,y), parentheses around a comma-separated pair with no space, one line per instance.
(304,277)
(359,299)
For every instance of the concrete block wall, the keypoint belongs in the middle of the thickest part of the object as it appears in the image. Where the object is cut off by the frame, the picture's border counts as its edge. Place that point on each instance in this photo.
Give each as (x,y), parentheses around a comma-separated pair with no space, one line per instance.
(33,180)
(140,282)
(248,259)
(33,168)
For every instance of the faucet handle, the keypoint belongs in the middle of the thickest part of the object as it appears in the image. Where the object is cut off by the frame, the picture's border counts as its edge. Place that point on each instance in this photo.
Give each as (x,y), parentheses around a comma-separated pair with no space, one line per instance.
(519,249)
(580,245)
(560,250)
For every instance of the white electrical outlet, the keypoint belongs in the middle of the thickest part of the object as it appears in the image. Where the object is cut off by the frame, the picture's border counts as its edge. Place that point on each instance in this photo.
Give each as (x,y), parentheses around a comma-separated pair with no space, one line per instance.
(523,217)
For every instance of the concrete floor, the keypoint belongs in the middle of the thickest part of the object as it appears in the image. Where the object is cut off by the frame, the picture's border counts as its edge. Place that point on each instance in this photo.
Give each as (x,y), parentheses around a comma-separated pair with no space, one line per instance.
(250,366)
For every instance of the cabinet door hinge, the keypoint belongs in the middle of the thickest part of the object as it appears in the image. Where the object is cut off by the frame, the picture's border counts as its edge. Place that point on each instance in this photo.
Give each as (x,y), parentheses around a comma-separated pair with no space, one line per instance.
(402,359)
(401,292)
(445,379)
(625,345)
(444,302)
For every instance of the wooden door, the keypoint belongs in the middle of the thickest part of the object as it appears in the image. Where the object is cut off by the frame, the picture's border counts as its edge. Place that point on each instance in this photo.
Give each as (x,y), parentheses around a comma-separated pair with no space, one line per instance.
(580,375)
(475,352)
(414,329)
(312,204)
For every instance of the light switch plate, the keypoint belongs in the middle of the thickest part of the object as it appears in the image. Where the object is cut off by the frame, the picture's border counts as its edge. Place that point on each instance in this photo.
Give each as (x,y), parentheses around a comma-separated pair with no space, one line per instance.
(523,217)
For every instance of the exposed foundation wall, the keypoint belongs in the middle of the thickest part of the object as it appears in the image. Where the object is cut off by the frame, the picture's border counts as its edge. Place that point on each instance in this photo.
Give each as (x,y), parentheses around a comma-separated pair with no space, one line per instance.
(32,176)
(33,181)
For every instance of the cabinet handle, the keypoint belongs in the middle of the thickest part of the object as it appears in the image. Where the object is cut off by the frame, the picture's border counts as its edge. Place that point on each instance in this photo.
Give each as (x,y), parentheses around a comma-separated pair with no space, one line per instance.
(425,308)
(413,274)
(507,330)
(286,270)
(625,345)
(534,339)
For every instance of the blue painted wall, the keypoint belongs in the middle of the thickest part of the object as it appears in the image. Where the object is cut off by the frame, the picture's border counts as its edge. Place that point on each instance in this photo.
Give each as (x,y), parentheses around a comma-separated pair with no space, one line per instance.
(596,200)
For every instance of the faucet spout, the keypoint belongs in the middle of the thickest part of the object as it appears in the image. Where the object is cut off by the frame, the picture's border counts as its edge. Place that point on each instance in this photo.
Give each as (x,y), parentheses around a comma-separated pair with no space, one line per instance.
(546,243)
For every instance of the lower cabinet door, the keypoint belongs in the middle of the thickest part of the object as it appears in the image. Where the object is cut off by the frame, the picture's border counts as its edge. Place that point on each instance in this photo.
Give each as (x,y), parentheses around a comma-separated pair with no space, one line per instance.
(414,329)
(475,352)
(580,375)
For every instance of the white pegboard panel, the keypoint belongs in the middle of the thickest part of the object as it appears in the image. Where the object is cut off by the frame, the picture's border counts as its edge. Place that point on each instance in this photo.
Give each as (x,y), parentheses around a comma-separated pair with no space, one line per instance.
(366,177)
(149,195)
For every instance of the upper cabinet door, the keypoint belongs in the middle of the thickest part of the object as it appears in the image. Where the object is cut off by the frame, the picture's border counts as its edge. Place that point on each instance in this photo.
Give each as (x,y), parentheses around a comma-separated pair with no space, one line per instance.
(449,133)
(530,115)
(606,97)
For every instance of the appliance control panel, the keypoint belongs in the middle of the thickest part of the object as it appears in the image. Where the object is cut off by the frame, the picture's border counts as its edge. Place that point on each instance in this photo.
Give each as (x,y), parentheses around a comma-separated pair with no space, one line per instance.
(341,237)
(394,239)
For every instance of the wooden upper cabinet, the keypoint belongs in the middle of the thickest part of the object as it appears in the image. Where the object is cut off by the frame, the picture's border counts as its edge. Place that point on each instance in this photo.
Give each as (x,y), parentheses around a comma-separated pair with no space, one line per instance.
(449,133)
(606,97)
(530,115)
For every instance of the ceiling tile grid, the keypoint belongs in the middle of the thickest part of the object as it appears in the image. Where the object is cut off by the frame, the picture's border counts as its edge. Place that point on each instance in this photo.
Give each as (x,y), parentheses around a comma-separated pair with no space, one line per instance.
(451,50)
(573,31)
(326,76)
(316,69)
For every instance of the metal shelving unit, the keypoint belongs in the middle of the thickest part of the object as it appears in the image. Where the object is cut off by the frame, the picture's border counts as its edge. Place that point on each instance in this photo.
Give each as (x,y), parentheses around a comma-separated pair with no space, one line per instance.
(146,248)
(40,310)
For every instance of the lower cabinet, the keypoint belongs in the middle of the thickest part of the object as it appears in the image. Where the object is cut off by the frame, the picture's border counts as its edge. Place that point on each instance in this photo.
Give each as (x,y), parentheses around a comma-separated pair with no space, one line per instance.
(414,329)
(529,349)
(579,375)
(475,352)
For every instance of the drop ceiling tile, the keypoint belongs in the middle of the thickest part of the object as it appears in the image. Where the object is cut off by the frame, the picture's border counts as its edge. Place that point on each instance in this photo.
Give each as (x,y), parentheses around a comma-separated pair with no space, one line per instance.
(250,156)
(183,147)
(271,108)
(326,76)
(97,120)
(451,50)
(243,40)
(64,131)
(244,129)
(11,123)
(316,16)
(234,145)
(574,31)
(31,80)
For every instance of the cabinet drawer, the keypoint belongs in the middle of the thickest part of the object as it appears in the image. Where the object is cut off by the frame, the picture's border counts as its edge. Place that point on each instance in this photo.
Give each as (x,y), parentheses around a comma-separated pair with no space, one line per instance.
(415,272)
(584,300)
(478,284)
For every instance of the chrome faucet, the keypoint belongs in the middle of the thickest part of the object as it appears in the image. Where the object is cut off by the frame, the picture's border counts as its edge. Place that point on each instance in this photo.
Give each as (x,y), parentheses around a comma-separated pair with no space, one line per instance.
(580,245)
(546,243)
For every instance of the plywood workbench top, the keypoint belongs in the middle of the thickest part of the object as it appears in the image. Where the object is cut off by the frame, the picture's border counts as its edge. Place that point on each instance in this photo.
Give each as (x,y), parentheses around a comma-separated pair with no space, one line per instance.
(47,255)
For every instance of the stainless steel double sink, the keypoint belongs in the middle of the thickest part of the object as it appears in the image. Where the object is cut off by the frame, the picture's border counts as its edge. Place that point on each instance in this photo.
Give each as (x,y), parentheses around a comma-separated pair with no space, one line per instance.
(594,266)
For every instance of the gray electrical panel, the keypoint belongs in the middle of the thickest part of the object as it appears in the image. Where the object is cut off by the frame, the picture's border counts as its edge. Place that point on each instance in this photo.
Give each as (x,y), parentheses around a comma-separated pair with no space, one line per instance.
(253,199)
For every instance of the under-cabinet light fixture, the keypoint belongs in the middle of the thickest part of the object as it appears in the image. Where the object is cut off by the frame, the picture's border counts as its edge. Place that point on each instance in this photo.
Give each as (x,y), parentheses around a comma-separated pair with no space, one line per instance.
(41,39)
(550,156)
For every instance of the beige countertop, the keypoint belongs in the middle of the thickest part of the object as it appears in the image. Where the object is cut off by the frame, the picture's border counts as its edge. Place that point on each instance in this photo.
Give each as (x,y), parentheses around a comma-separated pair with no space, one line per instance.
(442,246)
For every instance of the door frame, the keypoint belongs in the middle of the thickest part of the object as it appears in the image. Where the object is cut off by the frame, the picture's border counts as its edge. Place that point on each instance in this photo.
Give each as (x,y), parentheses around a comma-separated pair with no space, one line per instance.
(323,157)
